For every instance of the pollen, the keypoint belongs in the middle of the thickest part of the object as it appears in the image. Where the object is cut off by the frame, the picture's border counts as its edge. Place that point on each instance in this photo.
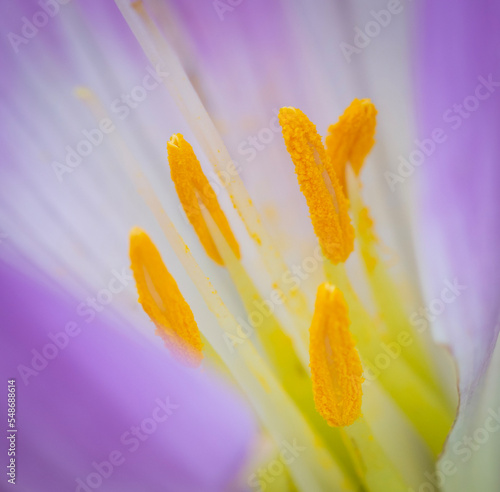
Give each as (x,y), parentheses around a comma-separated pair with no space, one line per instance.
(328,206)
(161,299)
(195,192)
(335,364)
(351,138)
(367,238)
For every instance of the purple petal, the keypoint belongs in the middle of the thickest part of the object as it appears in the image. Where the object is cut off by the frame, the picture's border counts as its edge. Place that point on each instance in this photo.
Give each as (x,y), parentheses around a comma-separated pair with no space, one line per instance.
(459,64)
(83,405)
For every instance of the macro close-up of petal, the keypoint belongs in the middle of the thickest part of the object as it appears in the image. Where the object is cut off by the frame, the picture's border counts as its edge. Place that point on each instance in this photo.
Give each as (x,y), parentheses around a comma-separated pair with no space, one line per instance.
(250,245)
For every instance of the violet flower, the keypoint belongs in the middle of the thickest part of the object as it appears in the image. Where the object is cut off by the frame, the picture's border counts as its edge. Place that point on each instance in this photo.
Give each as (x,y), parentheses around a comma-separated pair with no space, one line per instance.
(356,311)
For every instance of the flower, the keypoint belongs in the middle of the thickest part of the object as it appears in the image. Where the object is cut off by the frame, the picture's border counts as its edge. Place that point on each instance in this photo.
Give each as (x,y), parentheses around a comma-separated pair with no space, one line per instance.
(358,384)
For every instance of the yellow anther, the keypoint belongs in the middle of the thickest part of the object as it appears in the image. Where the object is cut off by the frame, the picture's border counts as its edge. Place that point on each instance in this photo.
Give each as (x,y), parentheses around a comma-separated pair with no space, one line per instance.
(195,191)
(335,364)
(163,302)
(327,203)
(351,138)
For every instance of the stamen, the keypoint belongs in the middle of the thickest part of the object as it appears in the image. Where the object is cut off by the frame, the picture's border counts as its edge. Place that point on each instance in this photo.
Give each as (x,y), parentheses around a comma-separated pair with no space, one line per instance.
(335,364)
(161,54)
(163,302)
(279,415)
(194,190)
(328,206)
(351,138)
